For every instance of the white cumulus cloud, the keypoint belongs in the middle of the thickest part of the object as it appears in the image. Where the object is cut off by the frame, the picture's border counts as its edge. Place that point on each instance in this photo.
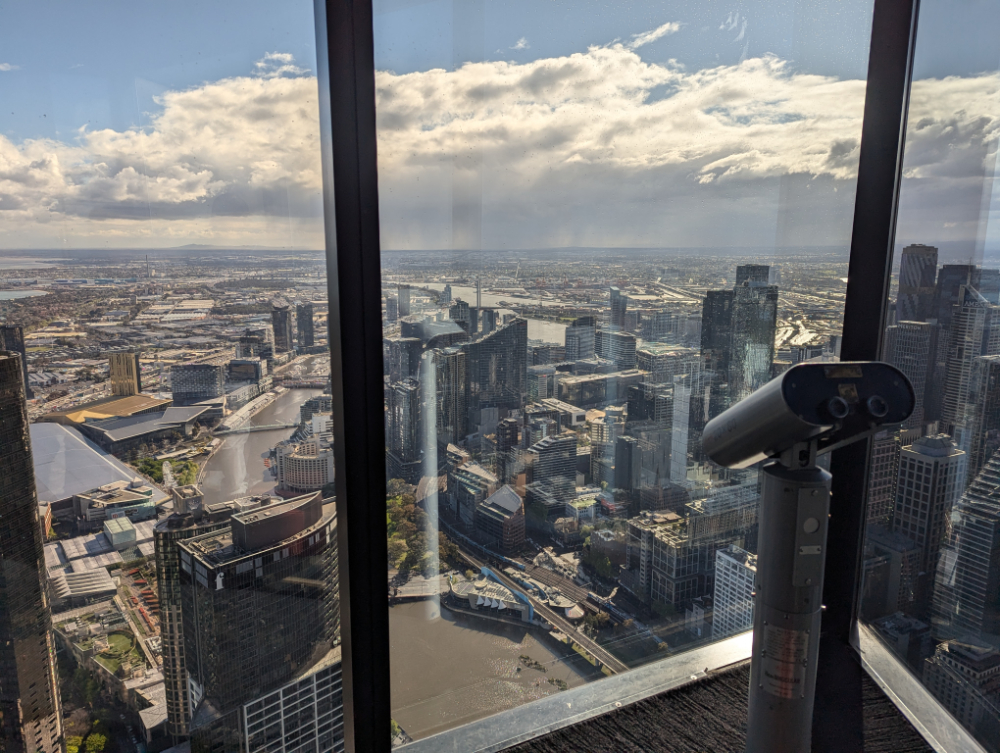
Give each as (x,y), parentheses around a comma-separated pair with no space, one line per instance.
(9,67)
(520,44)
(598,148)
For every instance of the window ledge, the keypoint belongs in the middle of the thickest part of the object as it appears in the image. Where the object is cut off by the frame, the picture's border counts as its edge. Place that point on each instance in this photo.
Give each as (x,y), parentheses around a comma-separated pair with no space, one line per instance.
(570,707)
(939,728)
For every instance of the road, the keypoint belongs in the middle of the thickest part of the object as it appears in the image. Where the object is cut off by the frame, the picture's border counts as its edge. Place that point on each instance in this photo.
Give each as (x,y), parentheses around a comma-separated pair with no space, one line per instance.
(600,653)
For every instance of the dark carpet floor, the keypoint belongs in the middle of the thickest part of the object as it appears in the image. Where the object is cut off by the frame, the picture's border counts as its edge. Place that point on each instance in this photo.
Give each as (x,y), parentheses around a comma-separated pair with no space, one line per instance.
(709,715)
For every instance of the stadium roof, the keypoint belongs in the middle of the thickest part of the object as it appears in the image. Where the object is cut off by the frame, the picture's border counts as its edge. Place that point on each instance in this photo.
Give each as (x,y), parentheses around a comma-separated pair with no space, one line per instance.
(66,464)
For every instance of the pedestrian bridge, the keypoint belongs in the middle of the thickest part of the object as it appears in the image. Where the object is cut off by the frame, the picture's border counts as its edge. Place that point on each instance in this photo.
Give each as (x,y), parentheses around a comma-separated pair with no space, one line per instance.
(252,428)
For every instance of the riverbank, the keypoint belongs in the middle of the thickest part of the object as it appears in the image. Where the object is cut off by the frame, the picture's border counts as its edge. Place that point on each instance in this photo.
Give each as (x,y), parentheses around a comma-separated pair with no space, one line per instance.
(240,418)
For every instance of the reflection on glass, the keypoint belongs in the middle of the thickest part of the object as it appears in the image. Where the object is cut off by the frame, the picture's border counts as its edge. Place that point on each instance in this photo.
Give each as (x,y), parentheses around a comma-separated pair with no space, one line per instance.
(600,229)
(932,553)
(163,309)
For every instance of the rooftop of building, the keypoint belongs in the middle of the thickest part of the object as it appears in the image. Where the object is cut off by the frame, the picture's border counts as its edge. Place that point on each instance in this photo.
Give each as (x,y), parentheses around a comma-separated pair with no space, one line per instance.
(221,548)
(740,555)
(108,407)
(121,429)
(505,498)
(937,446)
(67,464)
(978,658)
(118,492)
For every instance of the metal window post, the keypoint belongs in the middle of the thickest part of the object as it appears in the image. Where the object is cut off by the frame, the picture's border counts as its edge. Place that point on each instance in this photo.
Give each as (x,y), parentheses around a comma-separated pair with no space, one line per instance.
(345,58)
(837,720)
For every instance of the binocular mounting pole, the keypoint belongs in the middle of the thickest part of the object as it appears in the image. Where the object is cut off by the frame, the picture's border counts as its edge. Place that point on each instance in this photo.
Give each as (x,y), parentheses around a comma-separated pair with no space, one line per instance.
(794,513)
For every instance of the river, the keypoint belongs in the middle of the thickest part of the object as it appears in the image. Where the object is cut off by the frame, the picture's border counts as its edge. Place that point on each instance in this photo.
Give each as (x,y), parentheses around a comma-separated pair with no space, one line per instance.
(449,668)
(538,329)
(237,469)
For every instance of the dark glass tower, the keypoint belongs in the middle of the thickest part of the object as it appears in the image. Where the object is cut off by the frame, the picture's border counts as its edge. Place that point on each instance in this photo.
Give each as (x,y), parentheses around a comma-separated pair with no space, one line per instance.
(717,330)
(30,716)
(281,320)
(261,621)
(12,339)
(497,370)
(755,317)
(304,322)
(917,273)
(189,519)
(758,273)
(619,305)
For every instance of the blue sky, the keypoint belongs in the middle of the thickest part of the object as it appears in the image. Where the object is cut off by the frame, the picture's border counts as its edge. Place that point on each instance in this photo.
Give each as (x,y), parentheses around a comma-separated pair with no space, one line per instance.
(112,67)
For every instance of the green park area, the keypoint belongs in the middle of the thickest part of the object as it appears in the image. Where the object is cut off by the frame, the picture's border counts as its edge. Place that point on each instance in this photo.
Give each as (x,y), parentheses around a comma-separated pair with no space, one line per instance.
(185,471)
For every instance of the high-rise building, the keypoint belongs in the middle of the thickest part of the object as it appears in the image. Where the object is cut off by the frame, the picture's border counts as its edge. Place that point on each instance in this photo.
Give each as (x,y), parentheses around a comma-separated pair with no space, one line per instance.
(619,305)
(404,357)
(553,467)
(404,431)
(753,273)
(253,344)
(508,434)
(717,330)
(911,346)
(663,362)
(12,339)
(450,390)
(967,583)
(391,309)
(125,374)
(491,320)
(403,296)
(445,296)
(948,291)
(982,413)
(543,382)
(192,383)
(304,313)
(30,714)
(496,371)
(281,321)
(965,678)
(929,482)
(917,277)
(617,347)
(965,343)
(754,320)
(189,518)
(628,463)
(732,597)
(882,477)
(461,313)
(304,466)
(580,337)
(261,626)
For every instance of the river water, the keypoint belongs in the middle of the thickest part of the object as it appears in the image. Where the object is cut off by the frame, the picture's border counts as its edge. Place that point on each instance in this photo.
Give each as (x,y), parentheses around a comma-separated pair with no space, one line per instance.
(237,469)
(538,329)
(449,668)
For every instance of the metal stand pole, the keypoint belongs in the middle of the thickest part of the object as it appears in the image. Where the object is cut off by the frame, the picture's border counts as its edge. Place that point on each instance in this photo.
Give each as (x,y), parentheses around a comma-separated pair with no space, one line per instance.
(794,511)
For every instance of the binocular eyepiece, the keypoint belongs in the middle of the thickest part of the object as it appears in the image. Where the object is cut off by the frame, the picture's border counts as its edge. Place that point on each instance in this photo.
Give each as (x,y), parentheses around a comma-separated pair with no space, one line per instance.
(831,404)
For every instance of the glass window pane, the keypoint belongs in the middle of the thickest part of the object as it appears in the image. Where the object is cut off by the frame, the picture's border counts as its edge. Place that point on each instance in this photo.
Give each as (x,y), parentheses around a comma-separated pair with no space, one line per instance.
(163,296)
(932,551)
(601,226)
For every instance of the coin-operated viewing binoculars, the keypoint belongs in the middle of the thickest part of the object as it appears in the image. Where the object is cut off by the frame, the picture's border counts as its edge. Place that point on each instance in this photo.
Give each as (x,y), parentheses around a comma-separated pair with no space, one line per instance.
(809,410)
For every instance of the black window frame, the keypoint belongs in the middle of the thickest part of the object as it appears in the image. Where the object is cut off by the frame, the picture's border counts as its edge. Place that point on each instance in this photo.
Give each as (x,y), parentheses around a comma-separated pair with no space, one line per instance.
(346,72)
